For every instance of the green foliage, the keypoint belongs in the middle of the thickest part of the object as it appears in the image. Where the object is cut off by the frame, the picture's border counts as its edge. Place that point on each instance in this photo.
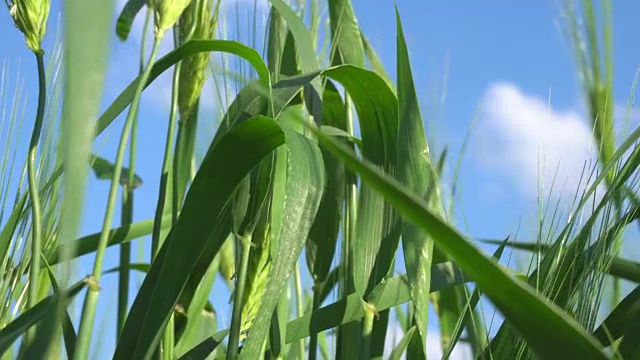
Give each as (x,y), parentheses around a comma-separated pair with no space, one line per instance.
(286,171)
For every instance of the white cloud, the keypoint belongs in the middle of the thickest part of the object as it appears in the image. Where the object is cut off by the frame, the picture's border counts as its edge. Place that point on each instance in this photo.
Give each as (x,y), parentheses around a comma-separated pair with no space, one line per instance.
(525,138)
(434,350)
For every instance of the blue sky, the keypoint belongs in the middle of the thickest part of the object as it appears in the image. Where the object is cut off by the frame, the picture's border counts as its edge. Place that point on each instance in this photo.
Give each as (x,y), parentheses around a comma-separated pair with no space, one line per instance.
(504,63)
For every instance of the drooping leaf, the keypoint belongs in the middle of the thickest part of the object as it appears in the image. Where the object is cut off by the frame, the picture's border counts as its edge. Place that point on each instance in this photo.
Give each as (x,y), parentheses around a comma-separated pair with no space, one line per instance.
(128,14)
(189,48)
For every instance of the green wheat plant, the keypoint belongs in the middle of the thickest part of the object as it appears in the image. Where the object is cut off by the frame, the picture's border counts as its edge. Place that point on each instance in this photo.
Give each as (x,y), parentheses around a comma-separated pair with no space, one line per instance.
(318,179)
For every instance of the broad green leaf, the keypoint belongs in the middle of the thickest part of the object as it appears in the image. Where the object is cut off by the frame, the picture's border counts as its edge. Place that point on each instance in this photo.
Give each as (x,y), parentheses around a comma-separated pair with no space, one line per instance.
(320,247)
(377,112)
(377,108)
(305,53)
(247,104)
(302,36)
(275,43)
(188,246)
(104,170)
(128,14)
(345,34)
(630,345)
(621,320)
(281,51)
(417,173)
(30,317)
(299,203)
(551,333)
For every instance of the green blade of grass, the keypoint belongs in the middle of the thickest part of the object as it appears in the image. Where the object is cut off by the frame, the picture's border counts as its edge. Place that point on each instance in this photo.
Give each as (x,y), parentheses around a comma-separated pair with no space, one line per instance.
(377,110)
(415,171)
(305,52)
(321,245)
(389,293)
(204,326)
(620,320)
(551,333)
(345,34)
(396,353)
(89,243)
(141,267)
(10,228)
(302,36)
(469,308)
(191,332)
(299,204)
(202,350)
(188,242)
(375,62)
(27,319)
(189,48)
(276,42)
(347,48)
(278,328)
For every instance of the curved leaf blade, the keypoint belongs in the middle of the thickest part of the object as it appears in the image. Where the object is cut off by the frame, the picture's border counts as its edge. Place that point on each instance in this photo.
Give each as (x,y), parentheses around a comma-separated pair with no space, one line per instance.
(188,245)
